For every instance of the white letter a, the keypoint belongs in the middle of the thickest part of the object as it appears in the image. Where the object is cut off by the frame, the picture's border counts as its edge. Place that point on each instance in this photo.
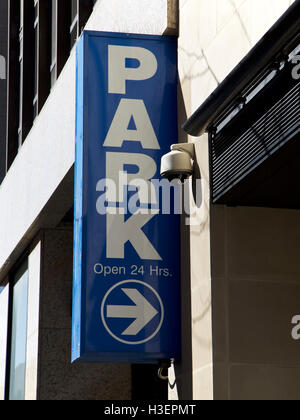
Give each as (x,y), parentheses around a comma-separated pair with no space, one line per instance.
(143,131)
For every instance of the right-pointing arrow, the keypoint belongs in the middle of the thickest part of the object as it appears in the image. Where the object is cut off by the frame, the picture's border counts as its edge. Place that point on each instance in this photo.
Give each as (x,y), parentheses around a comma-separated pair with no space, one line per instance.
(143,312)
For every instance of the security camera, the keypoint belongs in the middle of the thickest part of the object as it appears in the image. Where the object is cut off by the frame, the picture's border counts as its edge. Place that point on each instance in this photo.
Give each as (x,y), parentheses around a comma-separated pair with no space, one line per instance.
(178,164)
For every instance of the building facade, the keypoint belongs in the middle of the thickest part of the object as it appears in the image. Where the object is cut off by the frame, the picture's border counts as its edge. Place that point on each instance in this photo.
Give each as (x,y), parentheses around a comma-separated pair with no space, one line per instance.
(240,245)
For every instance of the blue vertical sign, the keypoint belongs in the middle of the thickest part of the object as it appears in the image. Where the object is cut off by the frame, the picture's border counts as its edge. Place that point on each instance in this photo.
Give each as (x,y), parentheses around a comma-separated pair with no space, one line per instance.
(126,292)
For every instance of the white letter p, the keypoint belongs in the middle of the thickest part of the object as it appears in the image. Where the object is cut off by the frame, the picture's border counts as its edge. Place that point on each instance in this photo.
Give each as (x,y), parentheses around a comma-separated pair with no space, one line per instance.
(118,73)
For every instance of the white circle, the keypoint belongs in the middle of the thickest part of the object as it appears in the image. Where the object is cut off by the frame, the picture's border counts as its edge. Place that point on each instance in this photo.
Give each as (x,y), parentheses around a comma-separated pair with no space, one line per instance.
(103,316)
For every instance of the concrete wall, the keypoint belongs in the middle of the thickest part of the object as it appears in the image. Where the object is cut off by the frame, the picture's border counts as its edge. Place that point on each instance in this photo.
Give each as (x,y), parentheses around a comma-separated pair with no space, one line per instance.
(57,378)
(215,35)
(256,293)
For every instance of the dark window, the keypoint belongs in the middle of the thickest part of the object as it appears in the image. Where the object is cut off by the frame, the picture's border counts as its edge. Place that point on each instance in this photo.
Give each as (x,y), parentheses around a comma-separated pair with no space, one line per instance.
(36,57)
(74,22)
(53,68)
(13,82)
(27,71)
(3,83)
(42,26)
(41,35)
(80,13)
(85,10)
(61,38)
(18,340)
